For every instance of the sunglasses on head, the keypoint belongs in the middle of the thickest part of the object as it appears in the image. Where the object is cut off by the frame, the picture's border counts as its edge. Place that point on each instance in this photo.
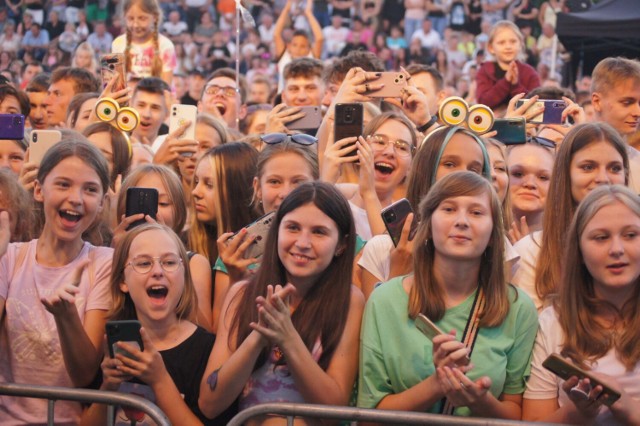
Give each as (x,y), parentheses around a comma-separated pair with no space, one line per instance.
(299,138)
(544,142)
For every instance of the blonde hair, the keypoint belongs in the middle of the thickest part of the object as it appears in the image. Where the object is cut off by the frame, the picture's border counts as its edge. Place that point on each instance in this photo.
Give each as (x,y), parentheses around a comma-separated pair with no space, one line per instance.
(153,8)
(506,25)
(426,295)
(579,309)
(123,306)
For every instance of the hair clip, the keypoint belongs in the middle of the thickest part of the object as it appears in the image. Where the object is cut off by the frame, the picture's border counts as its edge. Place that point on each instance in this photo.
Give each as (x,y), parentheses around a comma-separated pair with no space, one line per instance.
(455,111)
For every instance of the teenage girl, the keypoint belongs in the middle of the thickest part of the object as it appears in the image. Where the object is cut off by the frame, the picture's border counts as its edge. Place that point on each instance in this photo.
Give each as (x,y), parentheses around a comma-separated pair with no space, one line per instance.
(147,52)
(590,155)
(54,291)
(221,202)
(499,80)
(172,212)
(459,284)
(594,322)
(151,284)
(290,333)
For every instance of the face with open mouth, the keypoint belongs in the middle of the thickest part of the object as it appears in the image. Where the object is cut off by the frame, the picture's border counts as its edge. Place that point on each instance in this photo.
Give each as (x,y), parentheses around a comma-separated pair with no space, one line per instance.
(155,293)
(307,243)
(610,246)
(219,99)
(72,196)
(391,165)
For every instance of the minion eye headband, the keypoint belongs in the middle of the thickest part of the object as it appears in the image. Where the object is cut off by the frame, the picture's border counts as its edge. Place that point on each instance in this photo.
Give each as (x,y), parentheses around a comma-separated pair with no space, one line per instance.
(125,119)
(474,121)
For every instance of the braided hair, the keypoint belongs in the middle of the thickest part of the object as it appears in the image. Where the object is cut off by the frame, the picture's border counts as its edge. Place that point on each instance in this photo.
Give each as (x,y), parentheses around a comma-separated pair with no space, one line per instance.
(152,7)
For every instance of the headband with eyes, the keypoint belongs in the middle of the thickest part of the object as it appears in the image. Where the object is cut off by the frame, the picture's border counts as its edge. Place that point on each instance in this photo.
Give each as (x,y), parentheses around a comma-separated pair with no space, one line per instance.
(478,119)
(125,119)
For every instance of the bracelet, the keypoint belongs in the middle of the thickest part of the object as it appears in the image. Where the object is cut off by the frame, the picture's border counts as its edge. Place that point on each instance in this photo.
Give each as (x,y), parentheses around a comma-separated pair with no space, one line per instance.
(430,123)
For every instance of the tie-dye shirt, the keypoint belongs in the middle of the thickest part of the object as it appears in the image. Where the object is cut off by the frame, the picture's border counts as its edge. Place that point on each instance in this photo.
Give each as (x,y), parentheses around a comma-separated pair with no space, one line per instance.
(142,55)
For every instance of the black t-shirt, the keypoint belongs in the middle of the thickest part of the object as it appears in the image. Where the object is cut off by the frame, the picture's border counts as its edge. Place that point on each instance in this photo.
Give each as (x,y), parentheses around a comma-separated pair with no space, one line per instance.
(186,99)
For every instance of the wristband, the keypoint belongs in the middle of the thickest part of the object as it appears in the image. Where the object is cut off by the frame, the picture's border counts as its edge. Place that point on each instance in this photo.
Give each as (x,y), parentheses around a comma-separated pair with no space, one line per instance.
(430,123)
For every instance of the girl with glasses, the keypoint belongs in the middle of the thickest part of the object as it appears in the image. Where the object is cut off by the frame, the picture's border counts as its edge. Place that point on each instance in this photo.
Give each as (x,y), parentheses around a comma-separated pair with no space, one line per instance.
(54,290)
(459,284)
(150,283)
(594,321)
(290,333)
(591,155)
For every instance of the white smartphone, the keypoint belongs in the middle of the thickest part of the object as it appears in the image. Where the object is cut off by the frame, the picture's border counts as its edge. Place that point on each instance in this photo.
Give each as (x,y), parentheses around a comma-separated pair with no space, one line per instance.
(181,113)
(39,143)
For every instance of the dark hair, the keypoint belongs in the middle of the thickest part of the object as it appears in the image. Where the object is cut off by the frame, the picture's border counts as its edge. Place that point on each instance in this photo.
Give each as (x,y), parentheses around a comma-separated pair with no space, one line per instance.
(21,97)
(39,84)
(73,110)
(230,73)
(337,71)
(303,67)
(322,313)
(73,144)
(83,80)
(551,92)
(438,80)
(152,85)
(120,145)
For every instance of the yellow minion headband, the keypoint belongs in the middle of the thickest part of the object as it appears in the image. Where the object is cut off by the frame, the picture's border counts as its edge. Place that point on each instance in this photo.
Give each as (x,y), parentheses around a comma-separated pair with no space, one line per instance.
(478,119)
(125,119)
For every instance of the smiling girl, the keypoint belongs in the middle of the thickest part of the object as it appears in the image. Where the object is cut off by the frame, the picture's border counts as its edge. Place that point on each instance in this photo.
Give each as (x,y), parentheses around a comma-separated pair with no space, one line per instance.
(459,284)
(54,290)
(295,341)
(594,321)
(147,53)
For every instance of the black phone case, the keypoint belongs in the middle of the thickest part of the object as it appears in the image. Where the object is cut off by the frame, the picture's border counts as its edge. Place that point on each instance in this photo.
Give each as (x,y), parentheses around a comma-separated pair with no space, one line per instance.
(141,200)
(511,131)
(123,331)
(394,218)
(12,126)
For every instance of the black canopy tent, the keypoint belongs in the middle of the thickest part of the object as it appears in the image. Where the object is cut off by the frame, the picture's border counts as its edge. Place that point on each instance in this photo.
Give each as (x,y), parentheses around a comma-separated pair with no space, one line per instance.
(609,28)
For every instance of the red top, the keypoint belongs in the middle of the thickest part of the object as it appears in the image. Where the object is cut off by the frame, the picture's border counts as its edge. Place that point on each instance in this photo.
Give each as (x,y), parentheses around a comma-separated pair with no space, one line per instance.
(495,92)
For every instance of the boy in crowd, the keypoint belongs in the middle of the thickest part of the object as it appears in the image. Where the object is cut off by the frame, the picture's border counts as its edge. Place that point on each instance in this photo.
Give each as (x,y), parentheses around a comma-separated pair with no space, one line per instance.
(221,99)
(37,93)
(150,102)
(67,82)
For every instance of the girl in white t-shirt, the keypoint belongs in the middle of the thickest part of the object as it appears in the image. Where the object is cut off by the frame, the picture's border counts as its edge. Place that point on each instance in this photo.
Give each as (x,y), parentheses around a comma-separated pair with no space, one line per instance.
(147,53)
(595,321)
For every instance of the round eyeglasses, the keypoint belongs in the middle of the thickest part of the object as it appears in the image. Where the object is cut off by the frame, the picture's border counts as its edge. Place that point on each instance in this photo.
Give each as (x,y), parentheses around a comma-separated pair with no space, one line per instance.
(144,264)
(400,147)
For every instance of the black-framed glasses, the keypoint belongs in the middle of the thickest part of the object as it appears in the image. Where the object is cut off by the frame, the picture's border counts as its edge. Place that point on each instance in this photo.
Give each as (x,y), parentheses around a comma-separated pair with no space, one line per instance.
(299,138)
(214,89)
(144,264)
(544,142)
(400,147)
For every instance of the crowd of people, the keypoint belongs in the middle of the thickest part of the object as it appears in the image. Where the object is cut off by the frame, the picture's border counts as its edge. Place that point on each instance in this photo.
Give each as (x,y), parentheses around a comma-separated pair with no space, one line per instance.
(515,252)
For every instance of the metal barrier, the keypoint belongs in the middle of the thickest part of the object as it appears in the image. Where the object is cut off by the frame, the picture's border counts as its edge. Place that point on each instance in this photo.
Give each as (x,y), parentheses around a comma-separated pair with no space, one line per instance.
(54,393)
(330,412)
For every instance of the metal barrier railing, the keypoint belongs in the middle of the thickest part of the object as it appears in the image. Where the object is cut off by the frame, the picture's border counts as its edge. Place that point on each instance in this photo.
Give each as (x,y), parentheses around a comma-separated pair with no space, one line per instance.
(330,412)
(55,393)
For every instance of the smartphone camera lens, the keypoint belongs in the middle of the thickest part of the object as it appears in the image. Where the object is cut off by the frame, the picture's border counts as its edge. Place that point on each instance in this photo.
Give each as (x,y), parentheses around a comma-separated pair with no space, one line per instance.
(16,121)
(390,216)
(34,137)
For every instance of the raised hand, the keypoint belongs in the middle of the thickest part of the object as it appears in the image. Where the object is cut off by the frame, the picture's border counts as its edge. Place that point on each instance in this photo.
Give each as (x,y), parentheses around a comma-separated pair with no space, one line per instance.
(63,300)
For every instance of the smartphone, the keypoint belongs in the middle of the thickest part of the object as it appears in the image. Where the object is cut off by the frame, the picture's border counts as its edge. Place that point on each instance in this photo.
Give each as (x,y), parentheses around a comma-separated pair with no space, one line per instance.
(311,120)
(40,142)
(429,329)
(260,229)
(179,114)
(511,131)
(394,217)
(127,331)
(552,113)
(565,370)
(141,200)
(111,65)
(393,82)
(12,126)
(348,122)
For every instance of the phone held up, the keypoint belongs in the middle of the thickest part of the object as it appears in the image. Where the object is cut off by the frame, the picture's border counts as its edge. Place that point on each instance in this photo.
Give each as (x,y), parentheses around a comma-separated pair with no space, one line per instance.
(111,65)
(348,122)
(552,113)
(394,217)
(141,200)
(127,331)
(258,229)
(510,131)
(429,329)
(12,126)
(40,142)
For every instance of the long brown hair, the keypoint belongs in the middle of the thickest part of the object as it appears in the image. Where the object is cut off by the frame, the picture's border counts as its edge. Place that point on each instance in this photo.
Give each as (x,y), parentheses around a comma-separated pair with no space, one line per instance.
(561,203)
(586,338)
(322,314)
(426,294)
(153,8)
